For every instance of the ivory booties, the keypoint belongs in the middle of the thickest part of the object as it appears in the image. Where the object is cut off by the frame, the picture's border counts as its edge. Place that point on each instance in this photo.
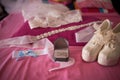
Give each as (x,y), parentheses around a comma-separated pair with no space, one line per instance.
(104,45)
(110,53)
(91,50)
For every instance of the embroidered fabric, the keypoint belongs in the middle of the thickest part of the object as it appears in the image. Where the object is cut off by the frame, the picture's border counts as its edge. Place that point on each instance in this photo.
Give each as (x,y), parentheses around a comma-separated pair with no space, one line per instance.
(49,15)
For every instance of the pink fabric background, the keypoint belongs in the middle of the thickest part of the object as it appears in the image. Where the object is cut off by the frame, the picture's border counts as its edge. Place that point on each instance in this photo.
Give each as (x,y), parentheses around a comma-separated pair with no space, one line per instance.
(37,68)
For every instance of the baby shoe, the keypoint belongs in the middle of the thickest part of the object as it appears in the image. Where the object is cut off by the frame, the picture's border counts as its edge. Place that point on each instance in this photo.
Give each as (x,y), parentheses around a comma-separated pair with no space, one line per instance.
(110,53)
(92,48)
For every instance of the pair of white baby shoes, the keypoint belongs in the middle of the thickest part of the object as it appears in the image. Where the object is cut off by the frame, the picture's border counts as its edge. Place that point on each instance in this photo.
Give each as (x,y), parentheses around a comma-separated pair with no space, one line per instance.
(104,46)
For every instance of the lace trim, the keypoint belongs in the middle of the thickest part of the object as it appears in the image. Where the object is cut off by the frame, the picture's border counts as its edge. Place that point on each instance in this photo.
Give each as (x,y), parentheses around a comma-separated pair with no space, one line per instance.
(50,33)
(112,40)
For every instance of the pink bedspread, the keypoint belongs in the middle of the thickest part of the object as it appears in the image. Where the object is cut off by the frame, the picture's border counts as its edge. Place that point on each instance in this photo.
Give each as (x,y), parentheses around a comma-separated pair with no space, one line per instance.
(37,68)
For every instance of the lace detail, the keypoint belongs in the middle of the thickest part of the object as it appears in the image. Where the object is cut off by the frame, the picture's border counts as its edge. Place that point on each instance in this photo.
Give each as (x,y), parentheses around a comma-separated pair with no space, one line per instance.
(98,37)
(44,35)
(111,40)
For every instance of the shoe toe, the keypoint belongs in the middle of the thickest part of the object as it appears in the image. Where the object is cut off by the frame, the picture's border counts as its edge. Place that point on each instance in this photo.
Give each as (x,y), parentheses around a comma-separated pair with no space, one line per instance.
(87,54)
(102,59)
(107,60)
